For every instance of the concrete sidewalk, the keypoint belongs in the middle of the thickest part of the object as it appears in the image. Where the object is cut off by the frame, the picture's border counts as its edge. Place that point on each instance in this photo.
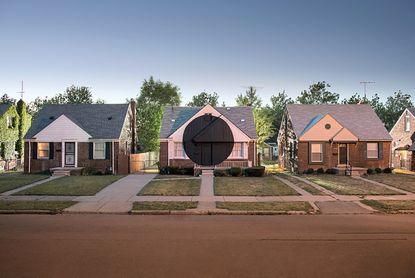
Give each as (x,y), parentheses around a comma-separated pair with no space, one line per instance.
(115,198)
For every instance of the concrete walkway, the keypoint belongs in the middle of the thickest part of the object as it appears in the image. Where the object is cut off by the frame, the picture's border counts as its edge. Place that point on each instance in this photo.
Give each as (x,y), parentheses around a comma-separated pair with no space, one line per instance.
(11,192)
(115,198)
(206,199)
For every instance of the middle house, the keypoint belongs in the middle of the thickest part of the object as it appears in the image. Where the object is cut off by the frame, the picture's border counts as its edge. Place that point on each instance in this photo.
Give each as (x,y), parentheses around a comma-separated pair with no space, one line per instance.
(239,119)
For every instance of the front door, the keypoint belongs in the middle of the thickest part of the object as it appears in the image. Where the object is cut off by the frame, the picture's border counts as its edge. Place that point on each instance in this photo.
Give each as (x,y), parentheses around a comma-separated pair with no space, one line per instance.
(343,154)
(70,154)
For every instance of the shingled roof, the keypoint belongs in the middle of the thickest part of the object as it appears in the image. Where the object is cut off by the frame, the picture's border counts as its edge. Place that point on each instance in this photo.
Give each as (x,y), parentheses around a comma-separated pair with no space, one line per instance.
(176,116)
(3,108)
(412,110)
(360,119)
(101,121)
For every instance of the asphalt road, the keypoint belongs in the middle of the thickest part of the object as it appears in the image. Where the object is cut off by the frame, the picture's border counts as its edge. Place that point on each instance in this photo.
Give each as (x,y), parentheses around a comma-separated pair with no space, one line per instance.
(207,246)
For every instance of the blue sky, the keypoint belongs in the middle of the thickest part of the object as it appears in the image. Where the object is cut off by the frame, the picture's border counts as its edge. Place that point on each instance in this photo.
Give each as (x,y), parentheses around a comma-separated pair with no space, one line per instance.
(221,46)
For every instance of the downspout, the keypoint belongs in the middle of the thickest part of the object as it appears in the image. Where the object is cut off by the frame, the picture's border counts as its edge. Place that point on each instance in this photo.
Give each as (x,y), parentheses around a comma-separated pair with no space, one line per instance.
(113,157)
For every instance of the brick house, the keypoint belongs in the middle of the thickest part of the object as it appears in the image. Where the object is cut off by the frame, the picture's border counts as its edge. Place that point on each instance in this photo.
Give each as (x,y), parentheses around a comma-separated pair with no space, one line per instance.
(342,136)
(68,137)
(9,120)
(403,144)
(239,119)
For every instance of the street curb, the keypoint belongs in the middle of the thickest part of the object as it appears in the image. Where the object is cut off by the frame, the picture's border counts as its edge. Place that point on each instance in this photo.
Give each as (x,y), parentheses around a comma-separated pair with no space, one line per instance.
(13,211)
(218,212)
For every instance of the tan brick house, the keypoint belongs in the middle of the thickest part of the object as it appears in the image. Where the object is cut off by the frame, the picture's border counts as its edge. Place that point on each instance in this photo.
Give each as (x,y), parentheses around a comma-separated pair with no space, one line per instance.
(239,119)
(65,137)
(342,136)
(403,144)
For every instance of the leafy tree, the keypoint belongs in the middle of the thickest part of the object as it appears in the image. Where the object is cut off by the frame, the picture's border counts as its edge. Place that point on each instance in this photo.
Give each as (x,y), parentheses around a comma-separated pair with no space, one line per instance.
(318,94)
(394,107)
(154,95)
(355,99)
(72,95)
(23,125)
(203,99)
(250,98)
(276,110)
(263,125)
(5,99)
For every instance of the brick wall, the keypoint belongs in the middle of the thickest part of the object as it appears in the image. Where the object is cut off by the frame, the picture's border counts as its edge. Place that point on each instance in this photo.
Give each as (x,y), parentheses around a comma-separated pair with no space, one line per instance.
(330,156)
(251,152)
(98,164)
(164,154)
(402,138)
(42,165)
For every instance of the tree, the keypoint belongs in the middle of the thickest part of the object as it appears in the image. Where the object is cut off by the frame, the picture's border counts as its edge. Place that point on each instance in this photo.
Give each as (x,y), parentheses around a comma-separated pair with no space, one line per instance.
(72,95)
(318,94)
(154,95)
(394,107)
(263,125)
(276,110)
(356,99)
(203,99)
(5,99)
(249,99)
(23,125)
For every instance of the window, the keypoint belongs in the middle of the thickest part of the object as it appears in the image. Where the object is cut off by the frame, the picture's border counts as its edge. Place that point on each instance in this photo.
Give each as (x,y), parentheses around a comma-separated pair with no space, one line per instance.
(316,152)
(238,150)
(178,150)
(372,150)
(99,150)
(10,122)
(407,123)
(43,150)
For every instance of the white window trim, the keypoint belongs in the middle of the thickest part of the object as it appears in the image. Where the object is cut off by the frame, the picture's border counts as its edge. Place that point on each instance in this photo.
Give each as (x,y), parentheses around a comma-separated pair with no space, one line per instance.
(377,151)
(241,153)
(311,153)
(184,156)
(105,151)
(407,123)
(38,149)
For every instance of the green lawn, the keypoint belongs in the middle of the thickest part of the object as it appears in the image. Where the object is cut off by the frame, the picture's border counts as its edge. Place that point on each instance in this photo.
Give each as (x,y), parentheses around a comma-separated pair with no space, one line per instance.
(182,187)
(251,186)
(401,181)
(72,186)
(349,186)
(10,181)
(52,206)
(301,184)
(164,205)
(390,206)
(265,206)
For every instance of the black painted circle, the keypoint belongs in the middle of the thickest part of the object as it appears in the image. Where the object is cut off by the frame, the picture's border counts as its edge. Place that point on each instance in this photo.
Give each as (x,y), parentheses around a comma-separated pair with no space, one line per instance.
(208,140)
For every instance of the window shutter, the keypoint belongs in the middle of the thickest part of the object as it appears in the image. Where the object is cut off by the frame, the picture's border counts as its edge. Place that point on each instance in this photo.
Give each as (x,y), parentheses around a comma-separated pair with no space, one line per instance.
(34,150)
(51,150)
(242,149)
(91,151)
(309,153)
(107,150)
(365,150)
(380,150)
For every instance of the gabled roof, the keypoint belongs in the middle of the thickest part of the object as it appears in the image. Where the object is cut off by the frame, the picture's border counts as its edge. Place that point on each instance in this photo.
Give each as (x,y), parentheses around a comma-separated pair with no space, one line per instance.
(360,119)
(412,148)
(176,116)
(101,121)
(3,108)
(412,110)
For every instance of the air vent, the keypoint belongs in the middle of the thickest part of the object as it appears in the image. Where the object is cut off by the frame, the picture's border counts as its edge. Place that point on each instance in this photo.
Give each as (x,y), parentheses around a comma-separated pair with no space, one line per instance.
(173,120)
(228,108)
(242,120)
(109,118)
(51,118)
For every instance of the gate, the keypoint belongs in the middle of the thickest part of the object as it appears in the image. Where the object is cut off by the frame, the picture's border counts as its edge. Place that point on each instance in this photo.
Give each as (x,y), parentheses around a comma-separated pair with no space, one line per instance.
(143,161)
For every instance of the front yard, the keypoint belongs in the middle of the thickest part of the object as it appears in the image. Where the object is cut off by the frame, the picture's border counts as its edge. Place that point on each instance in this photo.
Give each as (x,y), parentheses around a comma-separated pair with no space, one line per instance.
(10,181)
(164,205)
(51,206)
(391,206)
(349,186)
(401,181)
(301,184)
(171,187)
(265,206)
(72,186)
(251,186)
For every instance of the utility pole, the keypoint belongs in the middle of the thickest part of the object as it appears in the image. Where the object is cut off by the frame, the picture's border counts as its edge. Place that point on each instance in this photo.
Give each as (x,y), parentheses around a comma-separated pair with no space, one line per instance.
(365,84)
(21,92)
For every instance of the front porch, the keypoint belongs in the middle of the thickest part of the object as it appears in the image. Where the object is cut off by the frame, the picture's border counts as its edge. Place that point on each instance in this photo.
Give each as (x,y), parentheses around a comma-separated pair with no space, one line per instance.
(66,171)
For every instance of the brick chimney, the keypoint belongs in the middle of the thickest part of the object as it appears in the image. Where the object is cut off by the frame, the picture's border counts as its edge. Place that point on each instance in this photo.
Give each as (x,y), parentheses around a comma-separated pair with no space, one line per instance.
(133,106)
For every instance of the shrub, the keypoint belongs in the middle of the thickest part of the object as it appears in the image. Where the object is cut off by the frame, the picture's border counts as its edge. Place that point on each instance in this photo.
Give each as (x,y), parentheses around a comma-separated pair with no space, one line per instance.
(309,171)
(187,171)
(257,171)
(320,171)
(378,170)
(370,171)
(174,170)
(220,173)
(164,170)
(387,170)
(235,171)
(331,171)
(89,171)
